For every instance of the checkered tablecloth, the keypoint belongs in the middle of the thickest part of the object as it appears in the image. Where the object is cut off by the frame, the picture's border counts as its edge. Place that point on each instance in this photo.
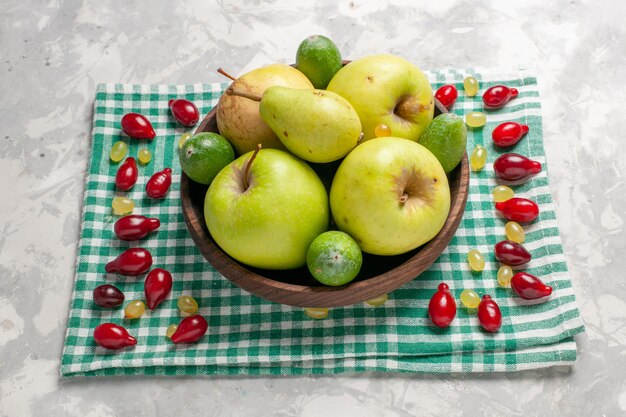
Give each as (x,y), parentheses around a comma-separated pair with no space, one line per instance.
(248,335)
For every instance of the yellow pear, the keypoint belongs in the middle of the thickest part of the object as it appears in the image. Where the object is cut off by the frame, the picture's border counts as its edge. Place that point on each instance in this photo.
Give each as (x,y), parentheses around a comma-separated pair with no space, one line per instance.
(238,118)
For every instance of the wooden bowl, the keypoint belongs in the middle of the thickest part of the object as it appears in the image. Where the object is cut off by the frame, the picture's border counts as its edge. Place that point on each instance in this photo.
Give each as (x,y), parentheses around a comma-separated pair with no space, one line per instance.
(379,274)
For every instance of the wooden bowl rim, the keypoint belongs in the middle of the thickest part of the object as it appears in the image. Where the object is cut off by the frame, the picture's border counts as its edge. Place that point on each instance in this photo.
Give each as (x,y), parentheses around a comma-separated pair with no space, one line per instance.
(321,296)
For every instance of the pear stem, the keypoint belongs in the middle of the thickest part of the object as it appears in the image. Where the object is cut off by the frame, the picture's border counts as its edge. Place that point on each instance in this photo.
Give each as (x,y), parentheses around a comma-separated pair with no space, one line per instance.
(225,74)
(247,170)
(234,92)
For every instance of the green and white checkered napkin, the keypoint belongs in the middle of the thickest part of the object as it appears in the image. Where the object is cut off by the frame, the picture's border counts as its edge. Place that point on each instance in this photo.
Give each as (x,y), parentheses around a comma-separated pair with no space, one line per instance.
(248,335)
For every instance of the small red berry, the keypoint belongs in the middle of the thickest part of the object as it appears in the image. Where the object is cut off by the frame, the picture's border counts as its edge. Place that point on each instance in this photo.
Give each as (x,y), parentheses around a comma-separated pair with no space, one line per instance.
(498,95)
(447,95)
(190,329)
(442,307)
(184,111)
(137,126)
(489,314)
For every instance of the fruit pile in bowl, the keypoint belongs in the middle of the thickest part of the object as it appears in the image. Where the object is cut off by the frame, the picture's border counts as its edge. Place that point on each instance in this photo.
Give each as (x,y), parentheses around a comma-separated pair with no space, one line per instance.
(325,183)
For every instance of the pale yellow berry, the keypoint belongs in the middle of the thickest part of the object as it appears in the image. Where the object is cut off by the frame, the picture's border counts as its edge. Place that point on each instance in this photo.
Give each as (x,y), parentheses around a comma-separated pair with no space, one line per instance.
(171,330)
(502,193)
(382,130)
(134,309)
(470,85)
(505,273)
(316,313)
(478,158)
(475,119)
(476,260)
(378,301)
(122,206)
(470,298)
(514,232)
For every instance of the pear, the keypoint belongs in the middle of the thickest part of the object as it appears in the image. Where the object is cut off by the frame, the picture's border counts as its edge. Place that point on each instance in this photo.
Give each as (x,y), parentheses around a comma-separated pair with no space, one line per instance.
(316,125)
(238,118)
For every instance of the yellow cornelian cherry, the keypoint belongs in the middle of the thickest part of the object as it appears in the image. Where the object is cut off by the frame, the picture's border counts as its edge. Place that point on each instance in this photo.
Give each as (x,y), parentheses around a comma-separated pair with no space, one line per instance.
(502,193)
(475,260)
(171,330)
(378,301)
(514,232)
(470,298)
(505,273)
(316,313)
(475,119)
(470,85)
(134,309)
(188,305)
(382,130)
(478,158)
(118,151)
(144,155)
(122,206)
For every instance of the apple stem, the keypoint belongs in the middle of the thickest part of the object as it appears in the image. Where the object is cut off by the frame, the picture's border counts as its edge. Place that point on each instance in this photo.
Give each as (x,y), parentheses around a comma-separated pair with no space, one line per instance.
(404,198)
(225,74)
(247,170)
(360,139)
(440,106)
(252,96)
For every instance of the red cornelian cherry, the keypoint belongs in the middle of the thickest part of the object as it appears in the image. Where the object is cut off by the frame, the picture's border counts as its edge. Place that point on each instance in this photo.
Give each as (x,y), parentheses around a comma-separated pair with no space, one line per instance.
(159,184)
(135,227)
(442,307)
(498,95)
(112,336)
(511,253)
(447,94)
(107,295)
(515,167)
(190,329)
(184,111)
(508,133)
(133,261)
(489,314)
(529,287)
(157,286)
(126,175)
(517,209)
(137,126)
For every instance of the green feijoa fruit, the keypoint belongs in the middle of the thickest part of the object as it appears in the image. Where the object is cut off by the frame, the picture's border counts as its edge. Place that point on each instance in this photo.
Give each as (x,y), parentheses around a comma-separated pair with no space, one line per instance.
(334,258)
(446,137)
(203,155)
(319,59)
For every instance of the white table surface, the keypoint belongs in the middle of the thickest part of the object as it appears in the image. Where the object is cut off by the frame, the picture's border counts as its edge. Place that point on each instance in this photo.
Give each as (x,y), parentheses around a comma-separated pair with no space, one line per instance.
(52,55)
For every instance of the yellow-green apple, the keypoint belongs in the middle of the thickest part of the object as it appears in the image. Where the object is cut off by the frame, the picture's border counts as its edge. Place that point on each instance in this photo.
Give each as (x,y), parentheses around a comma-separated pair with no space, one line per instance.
(389,90)
(391,195)
(238,118)
(265,208)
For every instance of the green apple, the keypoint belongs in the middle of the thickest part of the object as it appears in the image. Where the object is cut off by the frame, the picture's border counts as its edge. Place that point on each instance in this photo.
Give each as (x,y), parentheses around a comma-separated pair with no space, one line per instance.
(238,118)
(391,195)
(265,208)
(389,90)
